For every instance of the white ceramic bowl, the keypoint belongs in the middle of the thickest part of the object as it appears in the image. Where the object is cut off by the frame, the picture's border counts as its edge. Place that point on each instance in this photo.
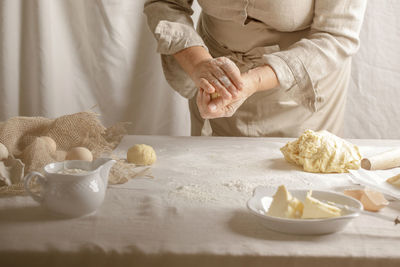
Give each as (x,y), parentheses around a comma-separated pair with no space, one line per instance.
(262,198)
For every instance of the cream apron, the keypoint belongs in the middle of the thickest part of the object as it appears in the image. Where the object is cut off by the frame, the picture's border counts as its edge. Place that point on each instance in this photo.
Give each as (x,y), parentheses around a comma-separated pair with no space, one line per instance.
(272,112)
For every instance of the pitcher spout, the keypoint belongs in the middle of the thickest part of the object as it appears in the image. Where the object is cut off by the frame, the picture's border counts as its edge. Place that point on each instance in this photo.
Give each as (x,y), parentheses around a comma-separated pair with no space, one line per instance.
(104,166)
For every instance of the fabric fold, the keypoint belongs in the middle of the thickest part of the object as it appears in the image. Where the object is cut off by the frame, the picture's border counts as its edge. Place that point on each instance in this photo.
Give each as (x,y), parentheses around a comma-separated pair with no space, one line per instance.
(294,79)
(173,37)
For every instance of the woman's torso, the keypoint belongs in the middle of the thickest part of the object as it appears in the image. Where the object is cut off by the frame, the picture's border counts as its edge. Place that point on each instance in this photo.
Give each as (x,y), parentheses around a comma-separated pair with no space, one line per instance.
(244,31)
(242,25)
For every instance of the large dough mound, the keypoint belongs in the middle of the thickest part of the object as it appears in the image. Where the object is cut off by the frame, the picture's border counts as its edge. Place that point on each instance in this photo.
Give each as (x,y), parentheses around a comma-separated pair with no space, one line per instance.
(322,152)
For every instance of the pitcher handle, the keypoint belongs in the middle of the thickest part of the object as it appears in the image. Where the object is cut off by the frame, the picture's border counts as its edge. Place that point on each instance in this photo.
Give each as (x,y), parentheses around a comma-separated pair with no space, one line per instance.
(41,180)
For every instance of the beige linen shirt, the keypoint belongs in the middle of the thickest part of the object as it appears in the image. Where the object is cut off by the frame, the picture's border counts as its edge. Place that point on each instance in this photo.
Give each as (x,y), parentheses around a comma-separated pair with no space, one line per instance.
(308,43)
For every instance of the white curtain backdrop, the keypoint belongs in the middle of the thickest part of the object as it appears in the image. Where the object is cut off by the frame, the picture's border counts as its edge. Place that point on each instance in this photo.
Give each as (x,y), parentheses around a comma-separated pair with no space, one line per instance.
(373,109)
(63,56)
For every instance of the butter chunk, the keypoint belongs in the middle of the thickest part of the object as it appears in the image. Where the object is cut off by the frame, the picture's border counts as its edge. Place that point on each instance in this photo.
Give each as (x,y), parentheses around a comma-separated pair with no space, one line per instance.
(284,205)
(315,209)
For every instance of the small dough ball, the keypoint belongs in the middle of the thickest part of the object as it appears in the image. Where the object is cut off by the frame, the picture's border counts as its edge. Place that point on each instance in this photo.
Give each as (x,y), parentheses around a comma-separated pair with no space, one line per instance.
(141,154)
(3,152)
(79,153)
(215,95)
(50,142)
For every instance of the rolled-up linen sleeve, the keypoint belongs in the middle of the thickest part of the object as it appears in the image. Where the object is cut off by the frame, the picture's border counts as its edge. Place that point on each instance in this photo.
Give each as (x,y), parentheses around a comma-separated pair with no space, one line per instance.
(172,25)
(333,38)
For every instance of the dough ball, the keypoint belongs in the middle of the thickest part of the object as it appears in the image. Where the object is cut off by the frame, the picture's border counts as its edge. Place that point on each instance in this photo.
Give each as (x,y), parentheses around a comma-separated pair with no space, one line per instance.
(79,153)
(141,154)
(215,95)
(3,152)
(322,152)
(50,142)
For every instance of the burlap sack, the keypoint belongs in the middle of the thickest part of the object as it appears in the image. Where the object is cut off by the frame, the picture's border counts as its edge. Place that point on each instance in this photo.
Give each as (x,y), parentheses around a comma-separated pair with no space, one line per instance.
(21,137)
(11,171)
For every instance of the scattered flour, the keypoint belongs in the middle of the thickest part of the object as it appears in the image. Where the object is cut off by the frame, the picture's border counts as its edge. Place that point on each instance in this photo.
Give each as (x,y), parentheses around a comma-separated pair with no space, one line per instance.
(232,192)
(226,174)
(195,192)
(229,191)
(240,186)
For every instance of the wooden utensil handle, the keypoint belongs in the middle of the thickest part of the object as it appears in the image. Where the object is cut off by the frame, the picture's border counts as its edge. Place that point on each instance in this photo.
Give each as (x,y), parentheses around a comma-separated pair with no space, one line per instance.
(386,160)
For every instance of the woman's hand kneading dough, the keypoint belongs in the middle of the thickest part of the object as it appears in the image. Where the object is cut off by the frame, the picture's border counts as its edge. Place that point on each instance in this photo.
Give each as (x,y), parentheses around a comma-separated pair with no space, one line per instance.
(258,79)
(218,75)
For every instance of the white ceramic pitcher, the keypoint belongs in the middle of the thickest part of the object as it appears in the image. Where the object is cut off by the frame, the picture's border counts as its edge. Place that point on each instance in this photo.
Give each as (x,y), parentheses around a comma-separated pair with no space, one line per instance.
(72,194)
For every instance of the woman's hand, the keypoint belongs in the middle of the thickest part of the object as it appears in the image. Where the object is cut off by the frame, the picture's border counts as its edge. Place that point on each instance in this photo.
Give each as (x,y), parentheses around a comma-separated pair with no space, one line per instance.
(258,79)
(211,107)
(218,75)
(208,107)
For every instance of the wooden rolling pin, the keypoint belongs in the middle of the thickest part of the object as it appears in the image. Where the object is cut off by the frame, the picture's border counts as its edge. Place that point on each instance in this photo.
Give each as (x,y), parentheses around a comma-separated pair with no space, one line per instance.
(386,160)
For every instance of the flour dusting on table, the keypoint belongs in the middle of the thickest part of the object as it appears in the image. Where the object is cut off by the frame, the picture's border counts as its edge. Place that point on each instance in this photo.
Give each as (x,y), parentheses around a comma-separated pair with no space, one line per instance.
(225,172)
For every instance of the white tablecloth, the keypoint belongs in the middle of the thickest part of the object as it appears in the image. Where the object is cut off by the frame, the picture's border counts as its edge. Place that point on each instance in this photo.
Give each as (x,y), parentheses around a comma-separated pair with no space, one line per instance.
(193,213)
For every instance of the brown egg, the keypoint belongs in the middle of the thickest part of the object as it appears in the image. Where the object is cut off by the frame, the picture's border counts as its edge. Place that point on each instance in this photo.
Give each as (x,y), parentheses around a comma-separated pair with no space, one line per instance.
(373,200)
(79,153)
(3,152)
(50,142)
(354,193)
